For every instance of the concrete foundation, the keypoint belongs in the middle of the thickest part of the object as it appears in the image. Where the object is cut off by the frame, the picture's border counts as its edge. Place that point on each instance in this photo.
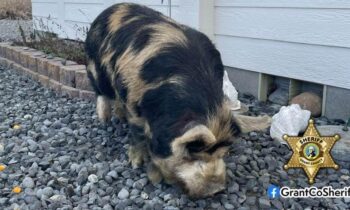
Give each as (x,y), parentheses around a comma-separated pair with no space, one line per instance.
(336,101)
(244,81)
(337,104)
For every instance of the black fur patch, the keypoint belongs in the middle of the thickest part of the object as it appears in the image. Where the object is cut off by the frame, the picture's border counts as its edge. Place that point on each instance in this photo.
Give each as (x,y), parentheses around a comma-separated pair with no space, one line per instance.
(121,88)
(125,36)
(167,63)
(235,129)
(219,145)
(104,83)
(93,83)
(142,39)
(195,146)
(138,10)
(137,134)
(170,107)
(164,107)
(98,32)
(96,35)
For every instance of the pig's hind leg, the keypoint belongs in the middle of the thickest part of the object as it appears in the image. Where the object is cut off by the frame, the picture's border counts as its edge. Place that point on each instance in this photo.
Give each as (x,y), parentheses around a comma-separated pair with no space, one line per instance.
(104,92)
(103,108)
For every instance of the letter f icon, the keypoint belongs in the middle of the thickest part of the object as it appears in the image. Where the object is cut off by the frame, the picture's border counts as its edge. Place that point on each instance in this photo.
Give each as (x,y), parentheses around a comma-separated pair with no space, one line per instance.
(273,192)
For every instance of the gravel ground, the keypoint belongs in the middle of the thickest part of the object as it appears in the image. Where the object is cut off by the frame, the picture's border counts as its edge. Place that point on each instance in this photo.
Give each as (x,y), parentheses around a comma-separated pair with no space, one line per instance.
(63,158)
(9,29)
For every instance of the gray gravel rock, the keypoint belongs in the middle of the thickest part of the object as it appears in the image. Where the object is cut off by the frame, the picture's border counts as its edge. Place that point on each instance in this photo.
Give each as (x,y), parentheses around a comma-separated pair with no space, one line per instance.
(28,182)
(57,124)
(82,176)
(140,184)
(228,206)
(113,174)
(144,195)
(279,96)
(3,200)
(47,191)
(264,203)
(251,200)
(33,146)
(243,159)
(57,198)
(93,178)
(123,194)
(276,203)
(64,158)
(33,170)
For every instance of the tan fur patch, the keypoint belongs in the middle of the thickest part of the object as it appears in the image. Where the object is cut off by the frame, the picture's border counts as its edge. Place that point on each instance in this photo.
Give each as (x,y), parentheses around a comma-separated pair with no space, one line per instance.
(130,63)
(153,173)
(106,58)
(166,33)
(103,108)
(202,176)
(91,67)
(138,121)
(167,168)
(199,131)
(210,173)
(138,154)
(114,21)
(219,123)
(147,130)
(119,108)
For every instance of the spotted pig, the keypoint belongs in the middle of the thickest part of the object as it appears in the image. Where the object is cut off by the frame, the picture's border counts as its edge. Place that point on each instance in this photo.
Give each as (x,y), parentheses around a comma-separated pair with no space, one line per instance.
(165,79)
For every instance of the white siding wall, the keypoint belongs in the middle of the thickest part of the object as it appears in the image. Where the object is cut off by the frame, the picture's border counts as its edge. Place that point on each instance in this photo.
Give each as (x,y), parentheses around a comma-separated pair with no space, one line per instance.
(71,18)
(300,39)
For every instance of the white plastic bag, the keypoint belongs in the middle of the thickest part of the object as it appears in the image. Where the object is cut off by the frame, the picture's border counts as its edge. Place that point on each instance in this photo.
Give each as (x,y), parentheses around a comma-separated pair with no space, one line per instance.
(289,120)
(231,92)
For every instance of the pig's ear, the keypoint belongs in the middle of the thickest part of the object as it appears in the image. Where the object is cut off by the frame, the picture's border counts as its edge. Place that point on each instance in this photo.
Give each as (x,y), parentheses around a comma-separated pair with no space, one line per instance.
(197,145)
(194,140)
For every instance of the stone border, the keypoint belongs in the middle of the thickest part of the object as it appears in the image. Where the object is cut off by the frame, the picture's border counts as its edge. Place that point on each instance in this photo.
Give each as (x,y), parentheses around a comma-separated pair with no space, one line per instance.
(62,76)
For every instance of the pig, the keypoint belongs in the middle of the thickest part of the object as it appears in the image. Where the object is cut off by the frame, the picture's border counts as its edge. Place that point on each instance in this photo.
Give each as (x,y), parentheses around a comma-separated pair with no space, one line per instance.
(165,80)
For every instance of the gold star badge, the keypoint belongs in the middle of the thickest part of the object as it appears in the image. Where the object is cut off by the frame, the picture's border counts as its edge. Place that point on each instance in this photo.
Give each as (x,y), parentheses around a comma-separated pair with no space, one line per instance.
(311,151)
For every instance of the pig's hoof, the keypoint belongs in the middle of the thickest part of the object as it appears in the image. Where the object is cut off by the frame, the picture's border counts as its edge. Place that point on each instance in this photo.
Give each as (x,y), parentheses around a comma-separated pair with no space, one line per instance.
(136,156)
(154,175)
(120,112)
(103,109)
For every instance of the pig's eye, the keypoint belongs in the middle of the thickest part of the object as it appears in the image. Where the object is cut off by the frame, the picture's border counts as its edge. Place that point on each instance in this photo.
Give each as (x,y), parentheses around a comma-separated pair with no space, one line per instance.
(195,146)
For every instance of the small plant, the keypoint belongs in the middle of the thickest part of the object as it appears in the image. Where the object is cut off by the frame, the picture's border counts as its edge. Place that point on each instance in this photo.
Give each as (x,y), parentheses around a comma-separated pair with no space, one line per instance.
(44,39)
(23,35)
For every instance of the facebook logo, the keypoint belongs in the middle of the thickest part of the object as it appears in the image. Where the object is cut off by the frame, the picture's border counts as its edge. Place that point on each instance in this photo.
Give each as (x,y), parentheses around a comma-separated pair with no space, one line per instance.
(273,191)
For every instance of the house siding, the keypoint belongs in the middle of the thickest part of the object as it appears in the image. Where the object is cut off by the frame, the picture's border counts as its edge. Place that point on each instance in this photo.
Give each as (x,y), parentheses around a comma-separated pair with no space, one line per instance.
(305,39)
(71,18)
